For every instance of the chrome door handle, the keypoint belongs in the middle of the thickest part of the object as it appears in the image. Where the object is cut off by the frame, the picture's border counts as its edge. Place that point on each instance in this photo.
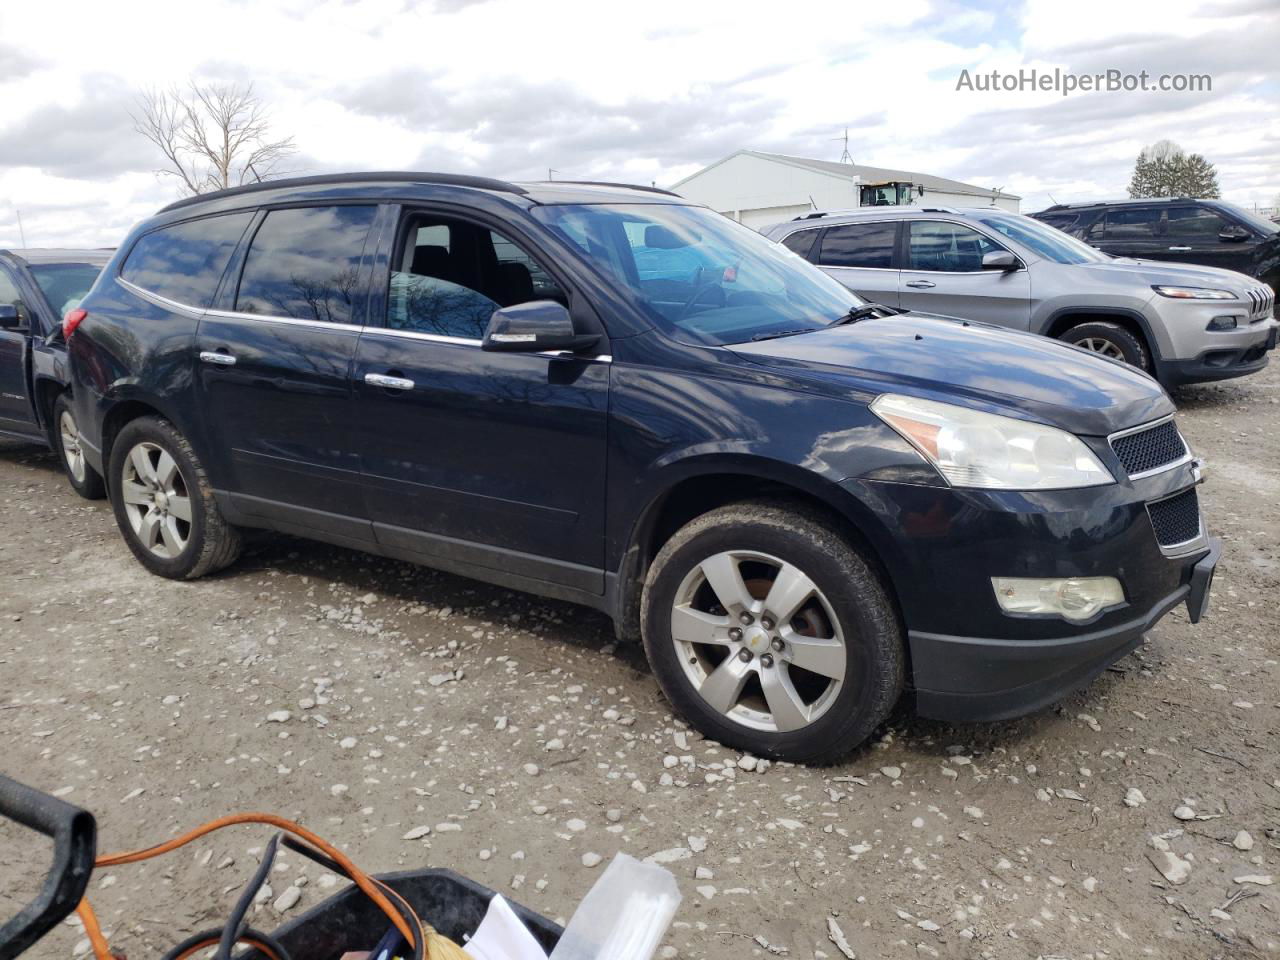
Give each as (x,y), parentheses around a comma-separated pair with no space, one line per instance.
(215,356)
(1179,249)
(921,284)
(391,383)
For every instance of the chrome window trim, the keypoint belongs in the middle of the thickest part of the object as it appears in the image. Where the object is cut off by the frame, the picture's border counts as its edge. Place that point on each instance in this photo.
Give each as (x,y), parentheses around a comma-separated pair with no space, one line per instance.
(157,299)
(1187,456)
(470,342)
(294,321)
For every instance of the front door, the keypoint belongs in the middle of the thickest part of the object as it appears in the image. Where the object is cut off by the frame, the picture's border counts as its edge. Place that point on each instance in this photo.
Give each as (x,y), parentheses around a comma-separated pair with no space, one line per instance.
(16,412)
(491,460)
(943,274)
(1192,235)
(274,366)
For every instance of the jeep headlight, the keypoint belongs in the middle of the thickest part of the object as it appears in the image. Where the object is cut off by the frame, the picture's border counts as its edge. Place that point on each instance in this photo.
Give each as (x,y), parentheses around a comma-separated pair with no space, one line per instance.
(982,450)
(1194,293)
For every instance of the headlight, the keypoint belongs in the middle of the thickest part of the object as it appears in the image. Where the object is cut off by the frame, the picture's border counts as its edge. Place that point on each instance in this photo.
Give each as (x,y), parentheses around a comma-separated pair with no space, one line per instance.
(975,449)
(1073,598)
(1195,293)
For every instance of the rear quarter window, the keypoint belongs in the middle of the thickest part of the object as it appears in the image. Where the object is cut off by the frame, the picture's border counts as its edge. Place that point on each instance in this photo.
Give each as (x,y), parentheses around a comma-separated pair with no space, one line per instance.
(185,261)
(859,245)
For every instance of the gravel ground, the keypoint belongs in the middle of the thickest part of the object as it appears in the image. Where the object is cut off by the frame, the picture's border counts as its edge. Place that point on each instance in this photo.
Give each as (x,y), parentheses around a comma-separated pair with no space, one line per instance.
(373,699)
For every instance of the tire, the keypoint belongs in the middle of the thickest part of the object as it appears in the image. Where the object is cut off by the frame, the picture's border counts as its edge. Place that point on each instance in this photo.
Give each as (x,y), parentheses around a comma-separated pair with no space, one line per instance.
(64,437)
(847,630)
(153,470)
(1110,340)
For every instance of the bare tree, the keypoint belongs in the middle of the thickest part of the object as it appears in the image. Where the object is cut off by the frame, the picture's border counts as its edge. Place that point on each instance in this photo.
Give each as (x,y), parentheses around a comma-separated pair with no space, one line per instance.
(212,136)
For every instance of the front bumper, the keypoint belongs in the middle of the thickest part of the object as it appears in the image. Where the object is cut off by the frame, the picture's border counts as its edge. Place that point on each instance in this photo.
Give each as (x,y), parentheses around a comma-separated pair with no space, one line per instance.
(969,660)
(969,679)
(1222,362)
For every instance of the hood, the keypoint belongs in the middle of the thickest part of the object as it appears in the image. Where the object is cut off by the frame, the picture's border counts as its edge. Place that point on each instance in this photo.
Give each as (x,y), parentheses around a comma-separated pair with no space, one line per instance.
(1153,272)
(972,364)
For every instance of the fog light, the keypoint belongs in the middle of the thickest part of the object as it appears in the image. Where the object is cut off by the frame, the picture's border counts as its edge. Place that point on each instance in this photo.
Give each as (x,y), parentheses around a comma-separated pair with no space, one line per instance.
(1074,598)
(1225,322)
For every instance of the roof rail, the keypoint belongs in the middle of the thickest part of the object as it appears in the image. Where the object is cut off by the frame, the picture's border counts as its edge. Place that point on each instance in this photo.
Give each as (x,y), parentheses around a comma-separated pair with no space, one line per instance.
(375,176)
(610,183)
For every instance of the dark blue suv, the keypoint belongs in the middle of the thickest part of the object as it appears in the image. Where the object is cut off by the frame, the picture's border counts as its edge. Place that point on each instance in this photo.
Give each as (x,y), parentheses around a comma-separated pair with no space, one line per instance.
(800,502)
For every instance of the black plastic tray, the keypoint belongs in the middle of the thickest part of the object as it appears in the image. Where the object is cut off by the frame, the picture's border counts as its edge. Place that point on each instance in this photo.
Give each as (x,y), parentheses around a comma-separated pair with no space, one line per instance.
(349,920)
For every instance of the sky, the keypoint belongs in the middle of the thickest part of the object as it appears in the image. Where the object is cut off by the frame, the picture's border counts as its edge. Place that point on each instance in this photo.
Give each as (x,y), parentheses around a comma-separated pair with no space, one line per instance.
(642,92)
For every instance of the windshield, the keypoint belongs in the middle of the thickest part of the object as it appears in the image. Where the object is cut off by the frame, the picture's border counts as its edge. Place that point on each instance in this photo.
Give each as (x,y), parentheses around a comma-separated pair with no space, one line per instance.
(65,284)
(700,275)
(1049,242)
(1255,220)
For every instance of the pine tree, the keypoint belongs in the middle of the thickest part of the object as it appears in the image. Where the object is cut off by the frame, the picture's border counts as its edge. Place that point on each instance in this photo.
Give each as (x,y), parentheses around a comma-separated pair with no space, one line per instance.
(1164,170)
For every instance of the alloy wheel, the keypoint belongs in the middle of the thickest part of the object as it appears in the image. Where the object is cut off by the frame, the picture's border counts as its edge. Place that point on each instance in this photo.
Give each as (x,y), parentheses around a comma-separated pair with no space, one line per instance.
(156,500)
(1102,346)
(758,641)
(69,434)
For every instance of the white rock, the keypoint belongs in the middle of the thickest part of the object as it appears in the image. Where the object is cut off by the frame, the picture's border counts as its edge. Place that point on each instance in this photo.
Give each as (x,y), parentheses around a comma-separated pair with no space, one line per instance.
(1090,884)
(576,825)
(697,844)
(1133,797)
(338,789)
(287,900)
(1171,866)
(1243,841)
(670,856)
(556,744)
(346,743)
(703,873)
(1259,879)
(670,761)
(893,773)
(974,812)
(279,716)
(1184,813)
(706,891)
(531,769)
(591,859)
(928,925)
(417,833)
(747,762)
(613,816)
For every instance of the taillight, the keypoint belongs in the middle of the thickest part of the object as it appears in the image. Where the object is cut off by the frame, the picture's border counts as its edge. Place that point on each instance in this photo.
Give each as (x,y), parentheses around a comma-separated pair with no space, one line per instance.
(71,321)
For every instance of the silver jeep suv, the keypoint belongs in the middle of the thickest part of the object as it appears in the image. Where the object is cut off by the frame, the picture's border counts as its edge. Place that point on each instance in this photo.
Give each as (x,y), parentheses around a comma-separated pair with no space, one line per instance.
(1180,323)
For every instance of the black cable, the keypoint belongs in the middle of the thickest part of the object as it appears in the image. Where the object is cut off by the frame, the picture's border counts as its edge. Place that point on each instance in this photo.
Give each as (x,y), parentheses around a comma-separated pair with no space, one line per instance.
(235,922)
(207,938)
(398,901)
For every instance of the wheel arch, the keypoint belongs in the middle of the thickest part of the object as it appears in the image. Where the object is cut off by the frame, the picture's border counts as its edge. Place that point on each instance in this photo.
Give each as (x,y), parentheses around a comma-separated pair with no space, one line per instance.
(1063,319)
(694,488)
(127,408)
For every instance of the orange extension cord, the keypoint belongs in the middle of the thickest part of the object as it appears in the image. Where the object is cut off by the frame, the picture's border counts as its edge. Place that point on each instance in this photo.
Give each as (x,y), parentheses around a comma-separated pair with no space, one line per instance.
(371,887)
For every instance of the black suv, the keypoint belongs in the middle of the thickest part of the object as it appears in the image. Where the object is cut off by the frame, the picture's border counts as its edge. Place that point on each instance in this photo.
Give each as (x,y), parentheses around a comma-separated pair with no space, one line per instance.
(607,395)
(1211,233)
(36,288)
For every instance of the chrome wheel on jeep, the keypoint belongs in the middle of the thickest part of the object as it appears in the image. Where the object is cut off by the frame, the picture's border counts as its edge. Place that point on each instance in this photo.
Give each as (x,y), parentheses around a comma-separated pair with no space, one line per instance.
(1099,345)
(758,640)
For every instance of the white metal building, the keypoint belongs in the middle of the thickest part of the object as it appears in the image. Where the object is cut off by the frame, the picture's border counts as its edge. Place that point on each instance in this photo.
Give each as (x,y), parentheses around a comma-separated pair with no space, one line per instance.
(759,189)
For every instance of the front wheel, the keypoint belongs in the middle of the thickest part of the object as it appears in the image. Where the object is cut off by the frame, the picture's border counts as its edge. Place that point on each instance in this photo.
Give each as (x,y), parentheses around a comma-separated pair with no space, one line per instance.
(771,633)
(64,436)
(164,503)
(1110,340)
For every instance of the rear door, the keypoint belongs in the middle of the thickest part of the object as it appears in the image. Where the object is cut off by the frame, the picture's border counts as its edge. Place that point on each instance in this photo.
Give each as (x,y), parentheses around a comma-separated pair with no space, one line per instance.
(862,257)
(1129,232)
(488,459)
(1192,232)
(942,273)
(274,368)
(17,414)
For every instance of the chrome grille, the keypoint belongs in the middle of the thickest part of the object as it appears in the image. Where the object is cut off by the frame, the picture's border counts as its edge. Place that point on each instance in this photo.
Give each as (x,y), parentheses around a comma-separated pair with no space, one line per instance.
(1176,519)
(1147,449)
(1262,303)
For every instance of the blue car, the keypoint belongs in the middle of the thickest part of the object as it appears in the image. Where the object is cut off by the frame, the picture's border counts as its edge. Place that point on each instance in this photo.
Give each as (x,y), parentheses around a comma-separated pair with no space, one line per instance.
(803,505)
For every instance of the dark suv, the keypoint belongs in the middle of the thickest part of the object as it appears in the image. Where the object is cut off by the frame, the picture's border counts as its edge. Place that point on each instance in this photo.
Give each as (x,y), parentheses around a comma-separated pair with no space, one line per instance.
(36,288)
(607,395)
(1211,233)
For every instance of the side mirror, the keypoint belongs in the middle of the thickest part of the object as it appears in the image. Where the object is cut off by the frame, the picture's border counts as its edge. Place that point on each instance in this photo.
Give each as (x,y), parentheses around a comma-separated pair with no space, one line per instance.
(1000,260)
(1233,234)
(9,318)
(534,327)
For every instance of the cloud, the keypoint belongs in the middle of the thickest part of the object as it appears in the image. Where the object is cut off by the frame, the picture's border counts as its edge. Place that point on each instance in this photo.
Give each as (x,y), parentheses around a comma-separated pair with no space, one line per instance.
(15,63)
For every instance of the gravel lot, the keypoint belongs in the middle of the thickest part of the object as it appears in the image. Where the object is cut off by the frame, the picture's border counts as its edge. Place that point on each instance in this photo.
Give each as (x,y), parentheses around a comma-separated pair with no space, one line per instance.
(369,698)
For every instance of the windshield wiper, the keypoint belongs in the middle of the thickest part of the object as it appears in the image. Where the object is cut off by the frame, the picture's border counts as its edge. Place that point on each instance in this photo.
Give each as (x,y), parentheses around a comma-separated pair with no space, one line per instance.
(782,333)
(863,312)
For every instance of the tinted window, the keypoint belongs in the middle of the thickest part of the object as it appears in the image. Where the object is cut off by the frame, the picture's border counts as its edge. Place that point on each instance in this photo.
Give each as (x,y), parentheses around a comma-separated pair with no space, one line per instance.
(1063,221)
(184,262)
(9,293)
(949,247)
(1138,224)
(801,242)
(1041,238)
(858,245)
(1195,222)
(65,284)
(305,263)
(452,275)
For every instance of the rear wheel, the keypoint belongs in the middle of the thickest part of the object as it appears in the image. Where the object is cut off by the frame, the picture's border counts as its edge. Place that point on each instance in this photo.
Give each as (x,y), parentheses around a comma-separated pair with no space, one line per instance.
(772,634)
(164,504)
(1110,340)
(64,437)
